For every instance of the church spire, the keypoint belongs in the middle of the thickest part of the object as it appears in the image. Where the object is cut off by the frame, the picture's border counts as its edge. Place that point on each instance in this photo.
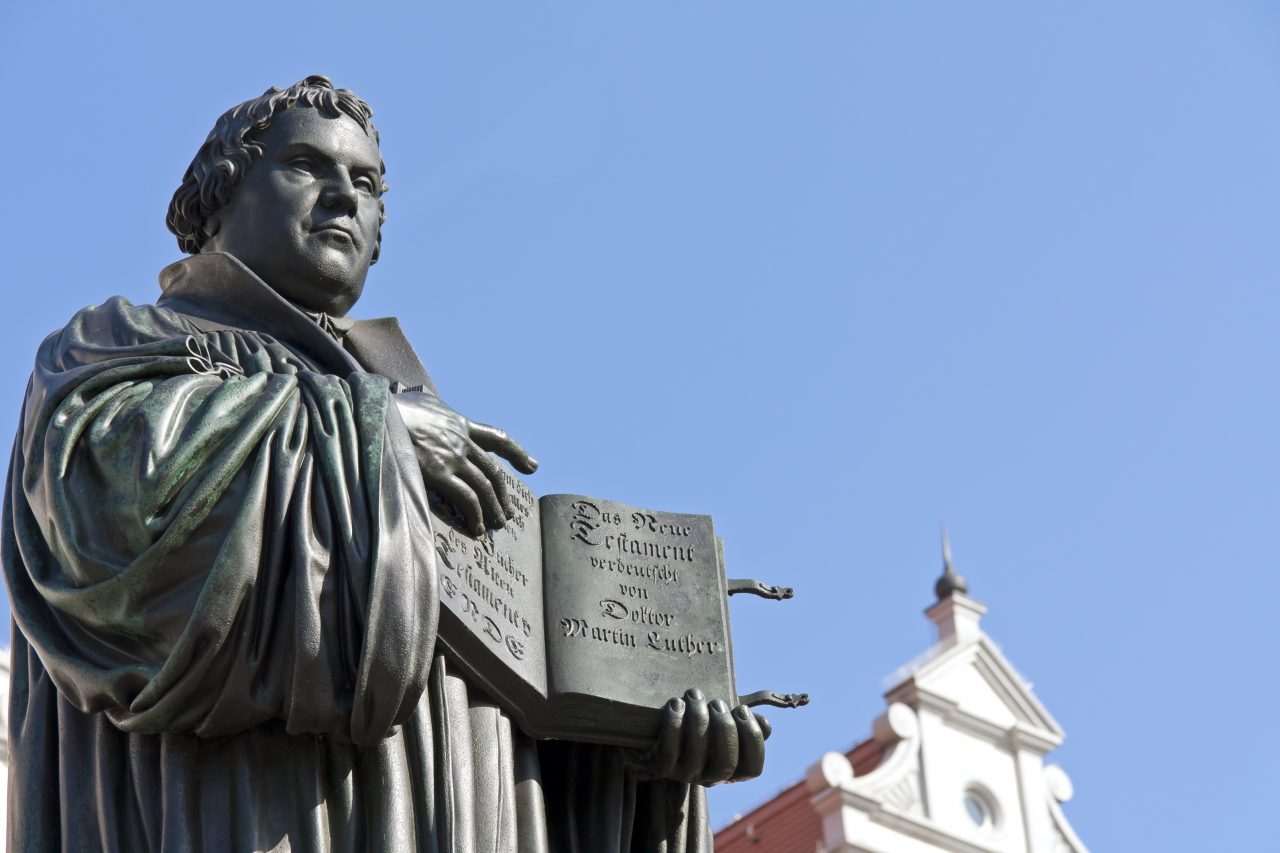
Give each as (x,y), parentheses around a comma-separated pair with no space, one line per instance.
(950,581)
(955,614)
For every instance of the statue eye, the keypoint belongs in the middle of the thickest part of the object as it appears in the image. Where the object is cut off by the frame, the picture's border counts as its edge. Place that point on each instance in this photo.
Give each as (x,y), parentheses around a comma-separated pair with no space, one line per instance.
(302,164)
(365,185)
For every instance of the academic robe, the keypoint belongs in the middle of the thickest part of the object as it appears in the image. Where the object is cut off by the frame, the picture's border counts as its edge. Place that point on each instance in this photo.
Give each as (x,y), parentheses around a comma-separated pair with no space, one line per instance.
(224,588)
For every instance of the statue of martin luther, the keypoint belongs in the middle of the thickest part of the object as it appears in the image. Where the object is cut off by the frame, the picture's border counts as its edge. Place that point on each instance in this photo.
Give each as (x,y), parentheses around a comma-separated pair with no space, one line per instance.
(220,560)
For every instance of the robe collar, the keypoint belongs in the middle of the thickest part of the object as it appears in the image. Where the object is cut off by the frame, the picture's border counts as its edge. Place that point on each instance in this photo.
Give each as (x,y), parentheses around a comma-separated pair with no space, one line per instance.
(216,292)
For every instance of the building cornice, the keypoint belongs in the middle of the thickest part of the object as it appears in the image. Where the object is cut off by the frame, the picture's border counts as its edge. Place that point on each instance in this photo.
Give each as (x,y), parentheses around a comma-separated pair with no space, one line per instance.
(1036,728)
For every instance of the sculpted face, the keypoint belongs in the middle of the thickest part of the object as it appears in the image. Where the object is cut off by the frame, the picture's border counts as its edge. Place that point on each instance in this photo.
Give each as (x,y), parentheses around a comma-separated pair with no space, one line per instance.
(305,216)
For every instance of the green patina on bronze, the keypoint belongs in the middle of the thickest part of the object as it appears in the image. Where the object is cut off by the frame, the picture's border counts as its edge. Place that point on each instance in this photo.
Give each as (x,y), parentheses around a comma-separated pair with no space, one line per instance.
(219,553)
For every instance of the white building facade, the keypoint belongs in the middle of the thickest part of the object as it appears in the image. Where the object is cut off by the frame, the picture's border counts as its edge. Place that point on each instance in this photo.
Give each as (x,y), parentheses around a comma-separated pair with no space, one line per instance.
(956,763)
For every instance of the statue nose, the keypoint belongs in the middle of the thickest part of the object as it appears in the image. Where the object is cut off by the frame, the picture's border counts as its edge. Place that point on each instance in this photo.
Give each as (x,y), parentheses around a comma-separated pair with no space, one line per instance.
(339,193)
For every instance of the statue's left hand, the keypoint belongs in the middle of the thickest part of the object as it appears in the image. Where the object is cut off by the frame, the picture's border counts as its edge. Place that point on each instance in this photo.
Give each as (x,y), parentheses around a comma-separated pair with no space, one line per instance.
(453,452)
(706,743)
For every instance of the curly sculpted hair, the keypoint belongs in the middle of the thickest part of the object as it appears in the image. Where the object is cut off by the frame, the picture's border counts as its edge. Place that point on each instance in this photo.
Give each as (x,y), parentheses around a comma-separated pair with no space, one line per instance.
(232,147)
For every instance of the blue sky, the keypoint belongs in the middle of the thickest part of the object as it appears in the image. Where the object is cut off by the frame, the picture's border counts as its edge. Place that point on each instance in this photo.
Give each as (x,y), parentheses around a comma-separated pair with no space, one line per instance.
(829,271)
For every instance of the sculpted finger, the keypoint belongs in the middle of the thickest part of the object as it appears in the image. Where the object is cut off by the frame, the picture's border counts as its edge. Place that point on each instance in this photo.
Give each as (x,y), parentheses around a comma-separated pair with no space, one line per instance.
(493,471)
(765,726)
(750,743)
(666,749)
(491,507)
(693,740)
(722,745)
(464,500)
(497,441)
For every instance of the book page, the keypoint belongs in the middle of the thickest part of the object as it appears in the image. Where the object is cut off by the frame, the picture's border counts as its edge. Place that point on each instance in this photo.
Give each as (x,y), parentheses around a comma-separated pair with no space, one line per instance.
(493,584)
(635,603)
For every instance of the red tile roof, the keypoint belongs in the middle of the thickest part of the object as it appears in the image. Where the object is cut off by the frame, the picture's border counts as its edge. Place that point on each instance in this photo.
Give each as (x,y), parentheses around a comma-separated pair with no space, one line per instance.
(787,823)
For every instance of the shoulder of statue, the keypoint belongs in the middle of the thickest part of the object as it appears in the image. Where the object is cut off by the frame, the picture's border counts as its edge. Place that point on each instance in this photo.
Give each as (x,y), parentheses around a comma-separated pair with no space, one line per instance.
(118,322)
(114,329)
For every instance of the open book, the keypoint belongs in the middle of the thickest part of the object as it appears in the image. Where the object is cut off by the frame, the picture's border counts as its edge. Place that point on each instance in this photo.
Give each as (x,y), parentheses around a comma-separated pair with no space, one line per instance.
(582,617)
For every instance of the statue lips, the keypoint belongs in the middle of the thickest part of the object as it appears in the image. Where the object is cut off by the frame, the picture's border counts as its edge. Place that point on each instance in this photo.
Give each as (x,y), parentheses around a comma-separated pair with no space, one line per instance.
(331,229)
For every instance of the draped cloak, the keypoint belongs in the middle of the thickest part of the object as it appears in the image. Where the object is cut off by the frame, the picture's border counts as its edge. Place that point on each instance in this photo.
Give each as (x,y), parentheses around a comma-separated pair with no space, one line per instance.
(220,562)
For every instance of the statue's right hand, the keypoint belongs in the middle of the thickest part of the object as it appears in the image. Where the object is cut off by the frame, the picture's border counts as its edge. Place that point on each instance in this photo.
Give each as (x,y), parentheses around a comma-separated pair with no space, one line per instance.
(453,452)
(706,743)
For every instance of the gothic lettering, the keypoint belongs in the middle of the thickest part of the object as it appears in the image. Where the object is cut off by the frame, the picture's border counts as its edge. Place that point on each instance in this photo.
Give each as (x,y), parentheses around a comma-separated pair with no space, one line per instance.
(613,609)
(657,572)
(647,521)
(625,544)
(614,636)
(687,644)
(648,616)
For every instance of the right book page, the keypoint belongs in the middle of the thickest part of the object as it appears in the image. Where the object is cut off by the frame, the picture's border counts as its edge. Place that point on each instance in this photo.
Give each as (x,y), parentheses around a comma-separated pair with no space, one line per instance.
(635,603)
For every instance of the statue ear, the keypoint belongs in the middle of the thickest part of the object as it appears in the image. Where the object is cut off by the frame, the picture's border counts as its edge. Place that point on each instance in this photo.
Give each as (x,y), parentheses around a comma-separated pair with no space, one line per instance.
(213,224)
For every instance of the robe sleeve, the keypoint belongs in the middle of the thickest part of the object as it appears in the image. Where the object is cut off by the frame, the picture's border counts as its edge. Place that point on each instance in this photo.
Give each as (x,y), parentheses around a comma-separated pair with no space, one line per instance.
(201,534)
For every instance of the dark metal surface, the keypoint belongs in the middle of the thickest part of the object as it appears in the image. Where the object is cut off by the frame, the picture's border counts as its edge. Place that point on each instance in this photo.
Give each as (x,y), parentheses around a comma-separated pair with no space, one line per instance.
(776,700)
(222,565)
(634,607)
(751,586)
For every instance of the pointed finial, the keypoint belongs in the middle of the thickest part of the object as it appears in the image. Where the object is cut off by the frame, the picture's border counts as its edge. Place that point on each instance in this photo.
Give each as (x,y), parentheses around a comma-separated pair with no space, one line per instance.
(950,581)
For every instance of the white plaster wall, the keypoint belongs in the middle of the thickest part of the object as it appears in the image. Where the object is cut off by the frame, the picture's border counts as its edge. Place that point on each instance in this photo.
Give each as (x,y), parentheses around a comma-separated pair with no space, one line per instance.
(964,684)
(961,719)
(955,760)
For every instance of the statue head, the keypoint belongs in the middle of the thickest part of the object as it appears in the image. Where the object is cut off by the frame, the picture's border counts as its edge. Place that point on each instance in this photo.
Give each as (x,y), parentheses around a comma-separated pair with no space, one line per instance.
(291,184)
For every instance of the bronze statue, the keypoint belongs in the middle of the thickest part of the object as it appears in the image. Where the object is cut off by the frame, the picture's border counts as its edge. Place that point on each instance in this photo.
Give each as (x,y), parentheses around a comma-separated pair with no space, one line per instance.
(217,545)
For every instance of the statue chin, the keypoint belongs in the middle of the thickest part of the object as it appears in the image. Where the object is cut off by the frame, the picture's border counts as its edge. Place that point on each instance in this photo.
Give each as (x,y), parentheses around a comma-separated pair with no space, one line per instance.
(324,296)
(329,281)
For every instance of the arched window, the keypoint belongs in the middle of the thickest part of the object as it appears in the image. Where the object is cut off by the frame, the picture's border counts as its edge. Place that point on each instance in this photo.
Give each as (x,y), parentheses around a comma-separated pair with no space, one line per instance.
(981,808)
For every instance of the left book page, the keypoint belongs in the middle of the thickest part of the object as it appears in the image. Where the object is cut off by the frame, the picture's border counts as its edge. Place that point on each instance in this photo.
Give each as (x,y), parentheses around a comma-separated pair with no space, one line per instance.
(491,613)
